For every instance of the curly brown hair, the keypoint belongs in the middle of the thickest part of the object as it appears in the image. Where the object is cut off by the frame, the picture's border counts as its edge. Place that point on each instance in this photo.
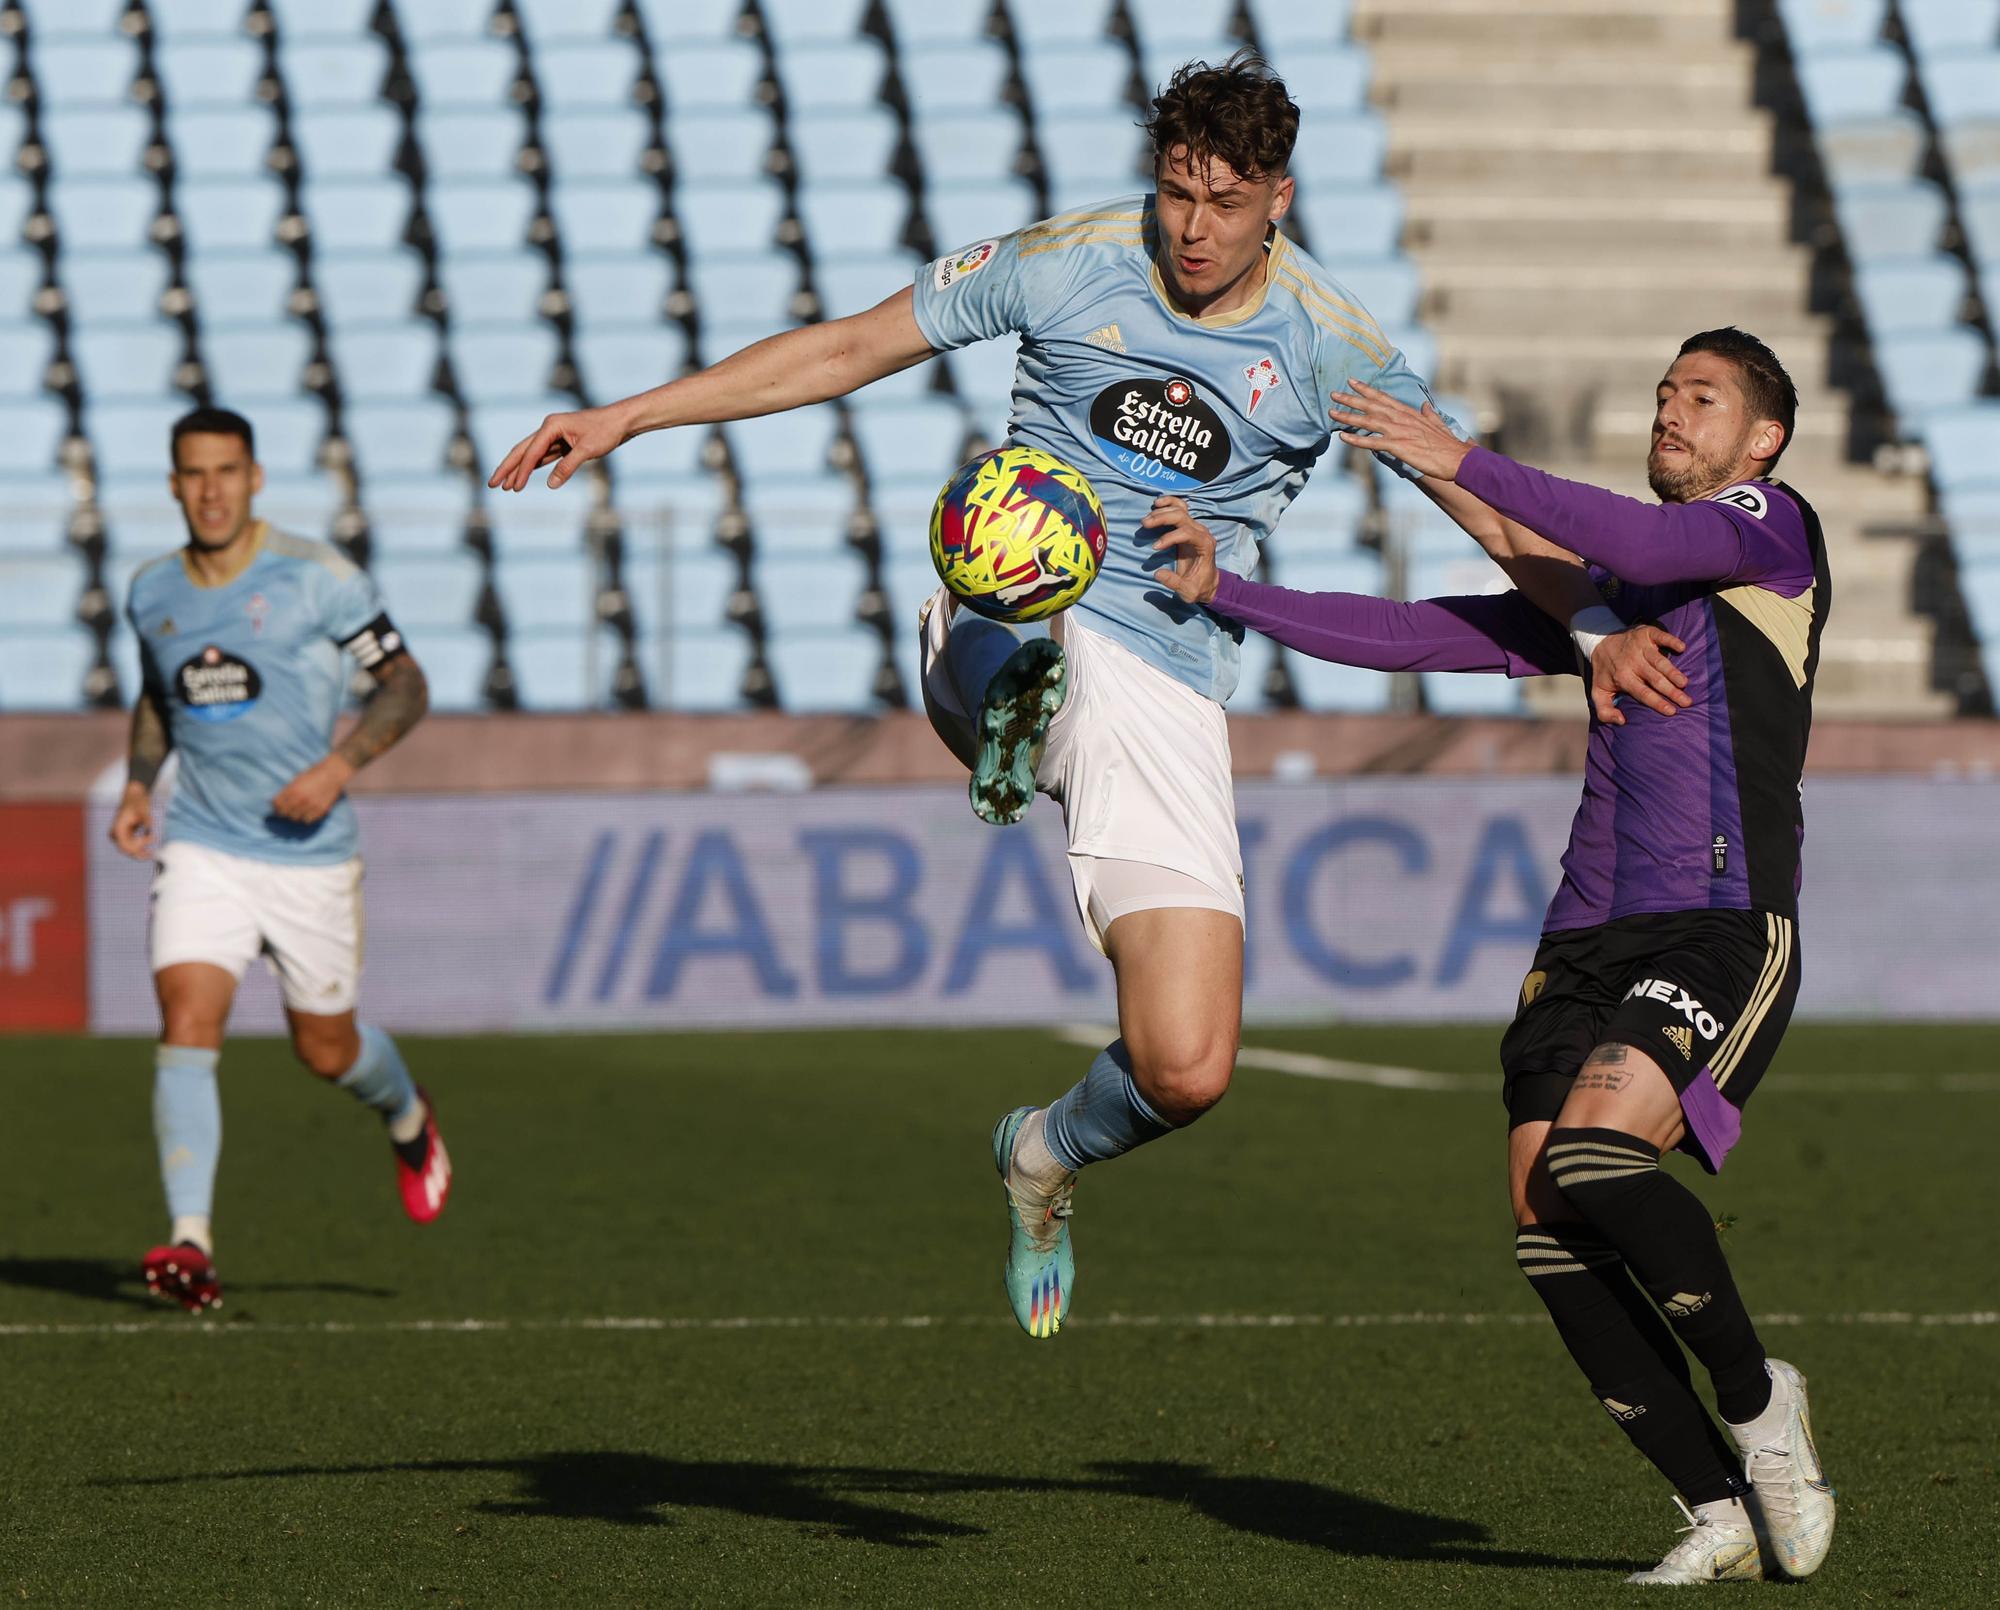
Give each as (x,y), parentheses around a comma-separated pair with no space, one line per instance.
(1238,113)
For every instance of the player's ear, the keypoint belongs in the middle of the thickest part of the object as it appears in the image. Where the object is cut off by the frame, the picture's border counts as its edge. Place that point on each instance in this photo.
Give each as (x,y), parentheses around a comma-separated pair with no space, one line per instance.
(1767,441)
(256,478)
(1281,197)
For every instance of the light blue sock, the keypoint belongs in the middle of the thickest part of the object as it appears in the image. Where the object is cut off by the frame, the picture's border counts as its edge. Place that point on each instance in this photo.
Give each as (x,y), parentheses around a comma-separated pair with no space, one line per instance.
(1103,1115)
(378,1078)
(187,1124)
(975,648)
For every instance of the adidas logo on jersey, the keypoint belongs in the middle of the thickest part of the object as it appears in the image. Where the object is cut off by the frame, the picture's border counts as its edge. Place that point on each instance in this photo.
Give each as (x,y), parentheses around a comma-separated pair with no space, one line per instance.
(1110,337)
(1682,1038)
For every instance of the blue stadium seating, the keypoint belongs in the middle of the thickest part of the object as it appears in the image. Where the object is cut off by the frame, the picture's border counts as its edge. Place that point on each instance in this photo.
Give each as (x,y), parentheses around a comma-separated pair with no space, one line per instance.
(550,22)
(1823,24)
(420,514)
(221,142)
(596,144)
(470,142)
(407,438)
(937,22)
(426,591)
(1937,26)
(347,142)
(951,79)
(43,669)
(832,77)
(369,287)
(1051,22)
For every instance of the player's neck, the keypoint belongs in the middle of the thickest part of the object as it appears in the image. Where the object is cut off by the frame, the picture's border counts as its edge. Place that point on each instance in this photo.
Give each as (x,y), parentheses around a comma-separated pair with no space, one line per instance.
(1245,290)
(219,566)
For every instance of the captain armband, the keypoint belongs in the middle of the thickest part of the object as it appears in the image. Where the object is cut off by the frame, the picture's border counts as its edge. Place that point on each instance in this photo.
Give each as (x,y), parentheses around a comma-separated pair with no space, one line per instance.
(376,644)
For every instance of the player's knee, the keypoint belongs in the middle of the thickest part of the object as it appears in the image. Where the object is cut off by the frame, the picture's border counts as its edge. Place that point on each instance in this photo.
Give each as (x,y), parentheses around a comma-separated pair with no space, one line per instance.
(1183,1079)
(326,1056)
(187,1023)
(1600,1170)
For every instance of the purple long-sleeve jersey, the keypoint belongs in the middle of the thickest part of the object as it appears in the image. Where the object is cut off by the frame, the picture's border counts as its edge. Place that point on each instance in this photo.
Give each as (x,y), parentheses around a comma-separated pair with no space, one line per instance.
(1698,810)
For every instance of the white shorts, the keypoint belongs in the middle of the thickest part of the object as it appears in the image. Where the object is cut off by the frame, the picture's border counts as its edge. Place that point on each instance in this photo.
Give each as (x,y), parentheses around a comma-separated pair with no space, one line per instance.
(1139,763)
(227,909)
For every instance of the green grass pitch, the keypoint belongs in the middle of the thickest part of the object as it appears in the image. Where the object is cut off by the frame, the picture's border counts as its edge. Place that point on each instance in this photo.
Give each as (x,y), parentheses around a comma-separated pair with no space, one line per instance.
(875,1431)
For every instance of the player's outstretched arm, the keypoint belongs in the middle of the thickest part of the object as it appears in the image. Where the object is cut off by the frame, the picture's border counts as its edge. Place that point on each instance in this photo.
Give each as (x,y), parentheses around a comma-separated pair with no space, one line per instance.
(401,698)
(789,370)
(146,753)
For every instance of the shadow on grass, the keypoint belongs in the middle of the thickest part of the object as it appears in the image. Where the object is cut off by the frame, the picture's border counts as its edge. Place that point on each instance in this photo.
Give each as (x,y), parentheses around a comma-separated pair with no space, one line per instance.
(117,1280)
(847,1501)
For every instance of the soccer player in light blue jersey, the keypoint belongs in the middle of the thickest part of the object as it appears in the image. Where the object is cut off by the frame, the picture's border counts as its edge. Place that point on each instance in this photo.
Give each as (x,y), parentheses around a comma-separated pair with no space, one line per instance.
(244,637)
(1184,355)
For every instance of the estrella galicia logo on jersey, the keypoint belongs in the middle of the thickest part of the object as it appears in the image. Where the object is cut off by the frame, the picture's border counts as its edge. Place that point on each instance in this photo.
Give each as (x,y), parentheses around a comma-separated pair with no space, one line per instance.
(217,686)
(1160,433)
(1748,498)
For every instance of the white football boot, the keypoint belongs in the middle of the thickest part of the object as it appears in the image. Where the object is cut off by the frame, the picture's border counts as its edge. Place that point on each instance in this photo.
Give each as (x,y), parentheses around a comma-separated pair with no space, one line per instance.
(1718,1544)
(1782,1464)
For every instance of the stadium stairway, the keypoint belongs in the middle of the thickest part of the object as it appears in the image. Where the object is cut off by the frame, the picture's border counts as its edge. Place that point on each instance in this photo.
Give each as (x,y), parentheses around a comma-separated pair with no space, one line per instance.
(1590,181)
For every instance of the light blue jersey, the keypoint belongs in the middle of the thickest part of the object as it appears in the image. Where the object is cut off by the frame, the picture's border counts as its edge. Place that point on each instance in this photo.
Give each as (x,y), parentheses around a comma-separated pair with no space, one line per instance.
(1228,412)
(251,675)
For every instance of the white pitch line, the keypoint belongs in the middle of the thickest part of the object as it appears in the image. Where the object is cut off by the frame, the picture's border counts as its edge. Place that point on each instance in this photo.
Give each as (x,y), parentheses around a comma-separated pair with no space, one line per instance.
(1385,1076)
(166,1325)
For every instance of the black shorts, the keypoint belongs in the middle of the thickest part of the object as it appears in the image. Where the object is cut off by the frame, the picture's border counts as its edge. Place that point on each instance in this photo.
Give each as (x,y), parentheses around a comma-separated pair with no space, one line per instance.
(1706,994)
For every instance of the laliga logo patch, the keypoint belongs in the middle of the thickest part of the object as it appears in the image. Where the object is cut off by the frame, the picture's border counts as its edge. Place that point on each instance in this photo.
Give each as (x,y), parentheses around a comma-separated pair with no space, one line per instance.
(216,686)
(950,270)
(1263,377)
(1160,433)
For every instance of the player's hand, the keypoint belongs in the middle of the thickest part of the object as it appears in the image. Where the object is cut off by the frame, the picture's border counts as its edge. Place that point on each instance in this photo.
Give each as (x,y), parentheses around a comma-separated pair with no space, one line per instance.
(1193,576)
(314,792)
(569,441)
(1379,423)
(132,823)
(1634,662)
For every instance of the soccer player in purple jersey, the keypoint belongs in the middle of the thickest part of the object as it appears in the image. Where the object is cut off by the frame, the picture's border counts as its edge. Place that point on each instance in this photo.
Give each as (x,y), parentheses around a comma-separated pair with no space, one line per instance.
(1669,961)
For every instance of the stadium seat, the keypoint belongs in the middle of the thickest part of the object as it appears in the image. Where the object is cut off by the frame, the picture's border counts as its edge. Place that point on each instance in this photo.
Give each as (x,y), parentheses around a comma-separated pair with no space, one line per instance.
(1910,293)
(717,147)
(197,17)
(809,595)
(549,22)
(22,273)
(961,213)
(799,513)
(392,362)
(44,669)
(832,77)
(609,216)
(342,19)
(347,142)
(1889,219)
(101,287)
(562,670)
(678,590)
(688,21)
(526,527)
(455,662)
(356,215)
(1471,694)
(855,284)
(579,76)
(1322,685)
(985,370)
(497,426)
(1063,79)
(96,142)
(938,22)
(1813,25)
(369,287)
(1326,80)
(229,215)
(490,362)
(413,511)
(500,289)
(694,670)
(625,288)
(955,80)
(39,590)
(1387,287)
(1059,22)
(102,214)
(825,671)
(221,142)
(475,143)
(140,524)
(478,74)
(255,362)
(856,144)
(1091,156)
(1964,446)
(305,504)
(547,590)
(919,441)
(1862,81)
(1935,27)
(967,149)
(623,360)
(750,287)
(1963,87)
(1181,21)
(1340,150)
(425,591)
(75,67)
(204,72)
(135,359)
(729,217)
(1979,211)
(1972,150)
(800,22)
(596,144)
(662,510)
(796,444)
(481,217)
(717,76)
(34,428)
(1973,513)
(333,72)
(54,18)
(289,433)
(130,438)
(866,218)
(1355,220)
(399,439)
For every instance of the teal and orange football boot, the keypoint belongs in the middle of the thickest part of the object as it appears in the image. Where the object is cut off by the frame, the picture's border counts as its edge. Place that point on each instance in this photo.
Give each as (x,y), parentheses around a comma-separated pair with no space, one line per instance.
(1013,728)
(1040,1273)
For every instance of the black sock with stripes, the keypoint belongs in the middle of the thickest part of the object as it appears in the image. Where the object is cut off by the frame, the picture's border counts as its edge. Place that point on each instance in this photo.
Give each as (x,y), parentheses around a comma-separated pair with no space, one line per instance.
(1669,1243)
(1633,1364)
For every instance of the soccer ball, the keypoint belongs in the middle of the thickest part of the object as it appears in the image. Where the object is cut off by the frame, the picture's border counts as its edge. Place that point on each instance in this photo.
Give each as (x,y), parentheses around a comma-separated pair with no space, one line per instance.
(1017,534)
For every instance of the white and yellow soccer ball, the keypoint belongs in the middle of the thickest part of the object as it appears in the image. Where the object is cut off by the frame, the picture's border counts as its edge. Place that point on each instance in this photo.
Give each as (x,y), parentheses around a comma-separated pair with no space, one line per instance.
(1017,534)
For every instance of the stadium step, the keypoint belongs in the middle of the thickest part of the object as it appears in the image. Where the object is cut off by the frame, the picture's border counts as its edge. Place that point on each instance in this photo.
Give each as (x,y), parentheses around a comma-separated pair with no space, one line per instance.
(1762,293)
(1588,157)
(1549,26)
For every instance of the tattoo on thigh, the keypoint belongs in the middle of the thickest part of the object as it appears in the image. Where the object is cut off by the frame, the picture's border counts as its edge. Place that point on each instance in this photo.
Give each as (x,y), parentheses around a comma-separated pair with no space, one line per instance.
(1604,1069)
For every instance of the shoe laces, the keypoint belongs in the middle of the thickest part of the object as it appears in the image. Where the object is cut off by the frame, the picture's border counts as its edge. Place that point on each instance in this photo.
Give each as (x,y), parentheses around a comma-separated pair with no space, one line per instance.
(1770,1470)
(1697,1539)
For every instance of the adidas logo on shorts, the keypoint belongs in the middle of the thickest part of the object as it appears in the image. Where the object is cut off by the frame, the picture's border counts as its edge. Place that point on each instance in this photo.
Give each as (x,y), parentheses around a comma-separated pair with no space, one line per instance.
(1683,1040)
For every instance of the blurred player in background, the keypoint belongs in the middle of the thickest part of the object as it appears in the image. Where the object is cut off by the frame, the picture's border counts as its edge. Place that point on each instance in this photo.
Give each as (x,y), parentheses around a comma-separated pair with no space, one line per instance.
(1669,961)
(1172,342)
(242,638)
